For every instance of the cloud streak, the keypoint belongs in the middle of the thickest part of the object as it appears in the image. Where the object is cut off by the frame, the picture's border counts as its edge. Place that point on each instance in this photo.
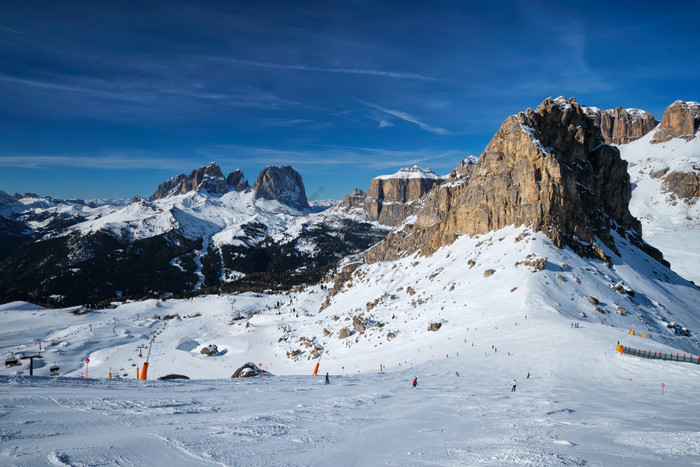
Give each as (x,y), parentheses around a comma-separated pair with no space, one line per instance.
(354,71)
(106,162)
(372,158)
(407,117)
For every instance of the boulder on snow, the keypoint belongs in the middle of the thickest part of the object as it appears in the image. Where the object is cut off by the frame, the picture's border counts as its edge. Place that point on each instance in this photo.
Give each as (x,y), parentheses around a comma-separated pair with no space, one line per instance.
(209,350)
(358,324)
(173,376)
(434,326)
(344,333)
(248,370)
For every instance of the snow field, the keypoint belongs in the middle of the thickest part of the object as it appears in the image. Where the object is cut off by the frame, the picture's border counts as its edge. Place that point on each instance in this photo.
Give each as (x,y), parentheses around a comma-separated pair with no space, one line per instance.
(499,321)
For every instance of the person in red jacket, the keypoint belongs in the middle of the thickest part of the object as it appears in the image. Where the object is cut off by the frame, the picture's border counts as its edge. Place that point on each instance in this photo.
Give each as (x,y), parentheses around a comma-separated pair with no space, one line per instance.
(415,382)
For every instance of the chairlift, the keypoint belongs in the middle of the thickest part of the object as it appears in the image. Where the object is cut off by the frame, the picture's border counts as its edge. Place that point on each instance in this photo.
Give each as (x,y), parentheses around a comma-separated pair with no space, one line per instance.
(133,364)
(125,375)
(12,361)
(54,369)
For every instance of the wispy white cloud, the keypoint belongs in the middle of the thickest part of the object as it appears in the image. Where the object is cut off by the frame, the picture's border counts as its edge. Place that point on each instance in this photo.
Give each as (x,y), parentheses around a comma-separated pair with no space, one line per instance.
(355,71)
(372,158)
(13,31)
(107,162)
(407,117)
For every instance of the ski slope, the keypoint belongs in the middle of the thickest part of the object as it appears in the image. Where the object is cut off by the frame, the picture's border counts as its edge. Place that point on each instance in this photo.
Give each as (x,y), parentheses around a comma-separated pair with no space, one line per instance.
(584,404)
(578,407)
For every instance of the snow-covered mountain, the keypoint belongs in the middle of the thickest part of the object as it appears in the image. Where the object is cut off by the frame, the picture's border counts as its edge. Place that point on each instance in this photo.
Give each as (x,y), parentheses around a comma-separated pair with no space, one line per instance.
(197,231)
(664,167)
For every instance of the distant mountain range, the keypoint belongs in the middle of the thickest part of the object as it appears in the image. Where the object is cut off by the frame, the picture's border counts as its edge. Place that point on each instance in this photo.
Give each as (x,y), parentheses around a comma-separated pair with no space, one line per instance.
(551,169)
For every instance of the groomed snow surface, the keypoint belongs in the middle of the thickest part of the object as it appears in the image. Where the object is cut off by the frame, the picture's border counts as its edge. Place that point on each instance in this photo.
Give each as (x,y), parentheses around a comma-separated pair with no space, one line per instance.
(584,404)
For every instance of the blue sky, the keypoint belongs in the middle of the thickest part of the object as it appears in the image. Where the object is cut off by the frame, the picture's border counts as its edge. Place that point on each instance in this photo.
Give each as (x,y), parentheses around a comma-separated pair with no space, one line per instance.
(108,99)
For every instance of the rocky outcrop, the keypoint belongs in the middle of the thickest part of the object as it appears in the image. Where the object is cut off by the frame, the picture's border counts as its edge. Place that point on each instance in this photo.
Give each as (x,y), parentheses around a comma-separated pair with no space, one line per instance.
(208,178)
(685,185)
(209,350)
(464,168)
(681,120)
(172,376)
(248,370)
(621,126)
(169,187)
(354,200)
(390,196)
(237,181)
(281,184)
(548,169)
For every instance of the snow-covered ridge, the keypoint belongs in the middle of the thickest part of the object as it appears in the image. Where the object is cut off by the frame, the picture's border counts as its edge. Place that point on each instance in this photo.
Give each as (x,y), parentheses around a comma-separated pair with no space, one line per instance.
(411,172)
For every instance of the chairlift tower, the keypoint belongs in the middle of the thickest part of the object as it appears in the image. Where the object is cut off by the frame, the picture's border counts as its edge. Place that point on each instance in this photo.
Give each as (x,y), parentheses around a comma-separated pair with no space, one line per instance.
(29,356)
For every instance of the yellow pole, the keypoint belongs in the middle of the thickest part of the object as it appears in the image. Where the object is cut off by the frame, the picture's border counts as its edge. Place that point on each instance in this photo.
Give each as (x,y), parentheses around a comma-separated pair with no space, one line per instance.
(110,375)
(137,372)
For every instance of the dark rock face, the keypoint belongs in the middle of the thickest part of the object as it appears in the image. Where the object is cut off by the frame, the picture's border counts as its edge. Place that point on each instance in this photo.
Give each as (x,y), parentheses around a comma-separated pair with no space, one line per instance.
(169,187)
(172,376)
(622,126)
(248,370)
(548,169)
(281,184)
(237,181)
(208,178)
(681,120)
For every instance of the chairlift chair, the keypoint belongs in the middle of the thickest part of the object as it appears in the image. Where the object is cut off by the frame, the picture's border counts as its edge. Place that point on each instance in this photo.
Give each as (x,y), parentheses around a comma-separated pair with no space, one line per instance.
(54,369)
(12,361)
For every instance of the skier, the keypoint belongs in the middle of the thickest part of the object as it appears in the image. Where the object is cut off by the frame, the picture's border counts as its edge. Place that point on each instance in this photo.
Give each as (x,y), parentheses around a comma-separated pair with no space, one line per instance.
(328,381)
(415,382)
(528,375)
(457,373)
(513,388)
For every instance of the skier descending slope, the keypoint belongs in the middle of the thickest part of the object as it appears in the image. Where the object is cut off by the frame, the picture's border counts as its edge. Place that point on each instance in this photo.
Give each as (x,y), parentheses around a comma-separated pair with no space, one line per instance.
(513,388)
(328,381)
(415,382)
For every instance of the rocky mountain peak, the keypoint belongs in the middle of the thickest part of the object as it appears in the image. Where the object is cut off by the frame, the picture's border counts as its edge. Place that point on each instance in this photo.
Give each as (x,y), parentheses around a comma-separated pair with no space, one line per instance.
(356,199)
(208,178)
(548,169)
(621,126)
(237,181)
(464,168)
(681,120)
(283,184)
